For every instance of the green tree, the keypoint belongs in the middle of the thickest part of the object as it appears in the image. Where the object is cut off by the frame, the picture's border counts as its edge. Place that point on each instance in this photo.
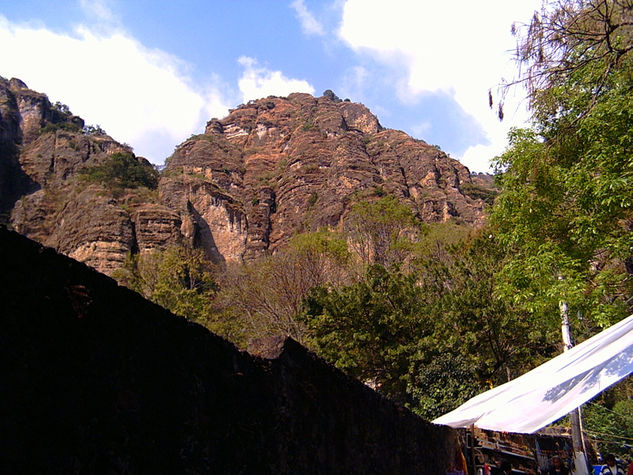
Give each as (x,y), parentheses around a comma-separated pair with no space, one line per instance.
(94,130)
(382,232)
(268,294)
(122,170)
(432,336)
(178,278)
(611,427)
(479,339)
(566,207)
(370,328)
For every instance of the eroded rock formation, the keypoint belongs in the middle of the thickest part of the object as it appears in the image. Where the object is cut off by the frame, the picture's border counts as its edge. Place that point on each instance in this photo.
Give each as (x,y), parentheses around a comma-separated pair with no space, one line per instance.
(43,149)
(272,168)
(278,166)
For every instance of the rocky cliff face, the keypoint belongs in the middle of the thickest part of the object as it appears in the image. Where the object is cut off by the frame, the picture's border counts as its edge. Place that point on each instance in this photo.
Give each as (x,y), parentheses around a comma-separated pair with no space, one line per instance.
(278,166)
(272,168)
(43,149)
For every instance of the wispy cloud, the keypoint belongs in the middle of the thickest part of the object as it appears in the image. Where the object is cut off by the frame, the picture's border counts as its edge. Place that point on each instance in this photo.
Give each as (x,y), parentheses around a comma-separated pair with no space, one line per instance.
(421,129)
(354,82)
(138,95)
(257,81)
(98,10)
(309,23)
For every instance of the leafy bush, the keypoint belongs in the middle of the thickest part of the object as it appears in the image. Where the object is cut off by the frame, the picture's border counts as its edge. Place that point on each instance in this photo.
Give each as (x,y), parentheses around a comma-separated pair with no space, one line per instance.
(94,130)
(122,170)
(479,192)
(67,126)
(178,278)
(61,108)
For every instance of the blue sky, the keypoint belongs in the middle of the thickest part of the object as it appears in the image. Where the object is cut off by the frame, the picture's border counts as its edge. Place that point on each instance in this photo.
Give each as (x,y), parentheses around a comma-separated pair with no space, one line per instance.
(151,73)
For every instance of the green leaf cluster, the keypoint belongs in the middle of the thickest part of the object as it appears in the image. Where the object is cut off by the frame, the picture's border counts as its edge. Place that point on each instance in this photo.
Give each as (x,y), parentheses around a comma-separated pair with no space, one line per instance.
(178,278)
(431,336)
(611,427)
(566,207)
(382,231)
(122,170)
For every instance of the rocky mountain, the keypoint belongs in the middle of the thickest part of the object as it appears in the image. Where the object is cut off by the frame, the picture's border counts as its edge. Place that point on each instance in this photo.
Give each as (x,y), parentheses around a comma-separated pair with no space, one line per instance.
(43,151)
(278,166)
(272,168)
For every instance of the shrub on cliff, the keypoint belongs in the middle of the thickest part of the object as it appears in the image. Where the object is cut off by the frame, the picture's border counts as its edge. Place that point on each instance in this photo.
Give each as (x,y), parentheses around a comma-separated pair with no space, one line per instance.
(122,170)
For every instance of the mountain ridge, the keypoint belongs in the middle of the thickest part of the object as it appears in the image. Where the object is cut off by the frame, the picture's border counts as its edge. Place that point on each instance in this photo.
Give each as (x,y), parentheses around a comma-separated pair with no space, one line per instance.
(272,168)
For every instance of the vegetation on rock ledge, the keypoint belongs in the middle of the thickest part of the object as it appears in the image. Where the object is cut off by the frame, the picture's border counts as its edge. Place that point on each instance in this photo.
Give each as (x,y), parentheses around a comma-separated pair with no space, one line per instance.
(122,170)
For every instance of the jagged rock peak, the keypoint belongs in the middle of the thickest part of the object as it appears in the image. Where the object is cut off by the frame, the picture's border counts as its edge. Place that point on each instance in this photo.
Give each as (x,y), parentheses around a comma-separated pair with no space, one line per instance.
(281,165)
(326,113)
(16,83)
(272,168)
(44,152)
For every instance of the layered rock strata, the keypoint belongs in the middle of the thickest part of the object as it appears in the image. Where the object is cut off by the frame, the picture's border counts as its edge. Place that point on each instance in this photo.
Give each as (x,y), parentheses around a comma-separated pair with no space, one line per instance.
(272,168)
(43,150)
(278,166)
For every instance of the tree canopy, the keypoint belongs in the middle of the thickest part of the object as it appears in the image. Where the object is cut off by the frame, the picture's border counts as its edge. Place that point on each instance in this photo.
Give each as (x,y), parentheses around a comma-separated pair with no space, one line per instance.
(566,202)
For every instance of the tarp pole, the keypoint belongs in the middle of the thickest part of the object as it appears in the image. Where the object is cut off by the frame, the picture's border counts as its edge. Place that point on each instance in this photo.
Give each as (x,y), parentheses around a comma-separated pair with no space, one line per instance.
(580,458)
(473,459)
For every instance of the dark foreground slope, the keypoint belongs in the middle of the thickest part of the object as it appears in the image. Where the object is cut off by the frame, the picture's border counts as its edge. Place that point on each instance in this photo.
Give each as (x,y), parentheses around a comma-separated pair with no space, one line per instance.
(97,380)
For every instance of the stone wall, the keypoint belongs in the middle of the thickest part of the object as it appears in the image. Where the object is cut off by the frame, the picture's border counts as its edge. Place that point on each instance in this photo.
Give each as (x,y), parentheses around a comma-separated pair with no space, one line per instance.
(96,379)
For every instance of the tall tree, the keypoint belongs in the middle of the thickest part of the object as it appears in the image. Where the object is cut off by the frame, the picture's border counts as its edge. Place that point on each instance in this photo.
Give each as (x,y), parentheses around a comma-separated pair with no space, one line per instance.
(267,295)
(566,207)
(382,232)
(432,336)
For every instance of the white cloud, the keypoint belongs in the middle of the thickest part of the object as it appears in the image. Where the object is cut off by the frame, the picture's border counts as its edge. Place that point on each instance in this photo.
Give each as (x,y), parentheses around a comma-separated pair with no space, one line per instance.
(459,47)
(257,82)
(309,24)
(419,130)
(138,95)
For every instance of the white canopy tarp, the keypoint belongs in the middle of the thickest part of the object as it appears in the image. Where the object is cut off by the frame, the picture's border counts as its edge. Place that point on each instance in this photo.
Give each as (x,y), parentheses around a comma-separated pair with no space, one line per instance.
(553,389)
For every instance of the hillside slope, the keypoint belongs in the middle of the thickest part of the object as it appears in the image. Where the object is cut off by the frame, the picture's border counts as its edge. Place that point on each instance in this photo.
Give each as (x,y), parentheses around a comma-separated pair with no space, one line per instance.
(278,166)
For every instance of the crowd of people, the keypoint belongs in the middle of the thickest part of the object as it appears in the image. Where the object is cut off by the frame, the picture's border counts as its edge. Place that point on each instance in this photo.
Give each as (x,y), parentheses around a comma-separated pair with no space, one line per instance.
(610,467)
(558,467)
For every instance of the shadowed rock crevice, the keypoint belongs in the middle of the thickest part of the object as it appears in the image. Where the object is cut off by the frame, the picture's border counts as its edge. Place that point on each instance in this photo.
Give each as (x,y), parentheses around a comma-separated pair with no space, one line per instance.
(203,237)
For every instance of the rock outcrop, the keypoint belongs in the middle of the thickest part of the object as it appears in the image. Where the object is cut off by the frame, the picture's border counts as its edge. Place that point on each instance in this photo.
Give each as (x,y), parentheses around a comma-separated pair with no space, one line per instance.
(272,168)
(98,380)
(278,166)
(43,150)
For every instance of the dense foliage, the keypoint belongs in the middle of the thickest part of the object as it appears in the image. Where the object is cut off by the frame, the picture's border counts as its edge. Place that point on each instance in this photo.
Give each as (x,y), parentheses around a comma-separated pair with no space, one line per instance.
(178,278)
(565,212)
(566,209)
(122,170)
(432,336)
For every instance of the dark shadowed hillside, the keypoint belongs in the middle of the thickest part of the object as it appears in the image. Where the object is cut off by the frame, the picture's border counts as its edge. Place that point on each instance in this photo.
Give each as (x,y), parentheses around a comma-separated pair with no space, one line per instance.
(98,380)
